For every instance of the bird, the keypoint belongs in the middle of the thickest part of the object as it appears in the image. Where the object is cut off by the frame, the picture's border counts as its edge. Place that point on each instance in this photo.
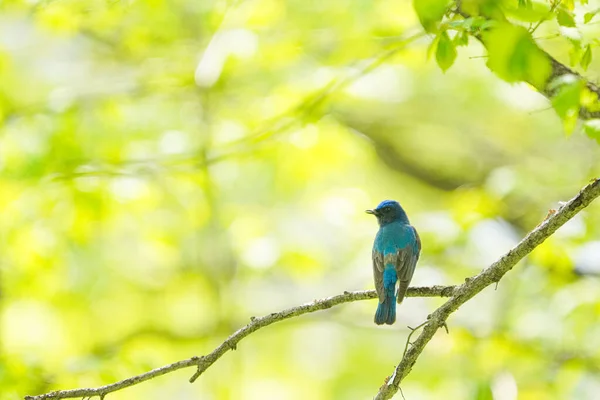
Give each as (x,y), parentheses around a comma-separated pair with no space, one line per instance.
(396,250)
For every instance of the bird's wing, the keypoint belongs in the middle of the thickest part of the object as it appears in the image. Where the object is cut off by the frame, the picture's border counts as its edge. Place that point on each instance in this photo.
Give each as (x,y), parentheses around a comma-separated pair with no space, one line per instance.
(378,274)
(406,262)
(418,241)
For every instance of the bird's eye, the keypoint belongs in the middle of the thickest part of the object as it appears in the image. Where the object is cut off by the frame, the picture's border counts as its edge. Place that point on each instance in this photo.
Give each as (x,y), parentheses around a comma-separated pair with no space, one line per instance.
(388,209)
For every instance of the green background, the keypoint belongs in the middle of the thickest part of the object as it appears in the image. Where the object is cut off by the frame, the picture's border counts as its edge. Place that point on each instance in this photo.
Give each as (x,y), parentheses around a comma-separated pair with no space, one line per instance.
(169,169)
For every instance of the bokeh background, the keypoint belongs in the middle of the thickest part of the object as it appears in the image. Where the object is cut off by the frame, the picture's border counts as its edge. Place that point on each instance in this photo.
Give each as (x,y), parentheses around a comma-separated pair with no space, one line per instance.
(170,169)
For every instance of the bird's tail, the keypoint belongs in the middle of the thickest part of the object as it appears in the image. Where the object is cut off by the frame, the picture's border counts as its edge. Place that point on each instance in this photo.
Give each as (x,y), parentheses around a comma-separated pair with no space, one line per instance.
(386,311)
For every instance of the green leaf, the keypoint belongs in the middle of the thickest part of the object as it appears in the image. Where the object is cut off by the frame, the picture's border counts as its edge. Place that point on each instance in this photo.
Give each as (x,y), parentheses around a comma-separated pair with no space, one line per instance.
(574,55)
(569,4)
(586,58)
(514,56)
(461,39)
(490,23)
(490,9)
(587,17)
(433,46)
(462,23)
(566,103)
(565,18)
(430,13)
(446,52)
(592,129)
(524,3)
(589,100)
(484,391)
(534,13)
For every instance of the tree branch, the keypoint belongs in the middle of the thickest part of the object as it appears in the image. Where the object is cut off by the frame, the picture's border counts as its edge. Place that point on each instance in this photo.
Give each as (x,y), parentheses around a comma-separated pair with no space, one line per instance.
(459,295)
(204,362)
(492,274)
(558,70)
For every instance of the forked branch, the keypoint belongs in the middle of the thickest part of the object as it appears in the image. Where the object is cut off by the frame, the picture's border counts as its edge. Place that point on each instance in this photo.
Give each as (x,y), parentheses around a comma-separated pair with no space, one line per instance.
(492,274)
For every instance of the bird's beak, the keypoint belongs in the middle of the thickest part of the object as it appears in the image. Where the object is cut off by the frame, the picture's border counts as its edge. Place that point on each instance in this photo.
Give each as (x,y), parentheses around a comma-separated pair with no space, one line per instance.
(372,212)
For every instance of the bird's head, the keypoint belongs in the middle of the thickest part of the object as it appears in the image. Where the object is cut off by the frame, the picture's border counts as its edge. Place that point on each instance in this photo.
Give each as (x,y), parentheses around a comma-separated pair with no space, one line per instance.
(389,211)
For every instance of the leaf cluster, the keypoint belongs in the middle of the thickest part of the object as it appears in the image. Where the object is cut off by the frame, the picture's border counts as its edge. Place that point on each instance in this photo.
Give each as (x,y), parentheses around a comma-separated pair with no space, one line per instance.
(507,30)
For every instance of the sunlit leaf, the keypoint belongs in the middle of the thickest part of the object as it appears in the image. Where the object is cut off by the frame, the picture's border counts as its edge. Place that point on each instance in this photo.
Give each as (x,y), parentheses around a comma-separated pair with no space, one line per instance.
(462,23)
(586,58)
(566,103)
(524,3)
(514,56)
(589,100)
(565,18)
(493,9)
(574,55)
(446,52)
(430,13)
(568,4)
(468,24)
(592,129)
(433,46)
(461,39)
(490,23)
(535,12)
(587,17)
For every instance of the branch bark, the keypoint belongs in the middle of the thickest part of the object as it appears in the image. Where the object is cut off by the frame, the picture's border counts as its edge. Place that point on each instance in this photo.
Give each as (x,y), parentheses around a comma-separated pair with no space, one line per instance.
(204,362)
(492,274)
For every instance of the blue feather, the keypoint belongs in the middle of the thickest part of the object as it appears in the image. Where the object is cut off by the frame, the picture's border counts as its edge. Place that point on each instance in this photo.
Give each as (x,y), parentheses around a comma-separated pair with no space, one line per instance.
(386,311)
(395,253)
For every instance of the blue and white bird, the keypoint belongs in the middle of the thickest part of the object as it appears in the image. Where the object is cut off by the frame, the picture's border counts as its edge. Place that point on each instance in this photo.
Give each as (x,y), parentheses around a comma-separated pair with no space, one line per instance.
(395,253)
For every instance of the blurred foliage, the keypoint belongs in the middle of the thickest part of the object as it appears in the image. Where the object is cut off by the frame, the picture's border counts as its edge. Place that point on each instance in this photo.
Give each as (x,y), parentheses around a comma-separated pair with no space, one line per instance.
(169,169)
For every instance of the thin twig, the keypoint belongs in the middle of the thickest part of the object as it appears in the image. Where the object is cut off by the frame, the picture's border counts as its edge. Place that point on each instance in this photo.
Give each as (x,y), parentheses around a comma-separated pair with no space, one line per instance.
(550,12)
(412,331)
(204,362)
(492,274)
